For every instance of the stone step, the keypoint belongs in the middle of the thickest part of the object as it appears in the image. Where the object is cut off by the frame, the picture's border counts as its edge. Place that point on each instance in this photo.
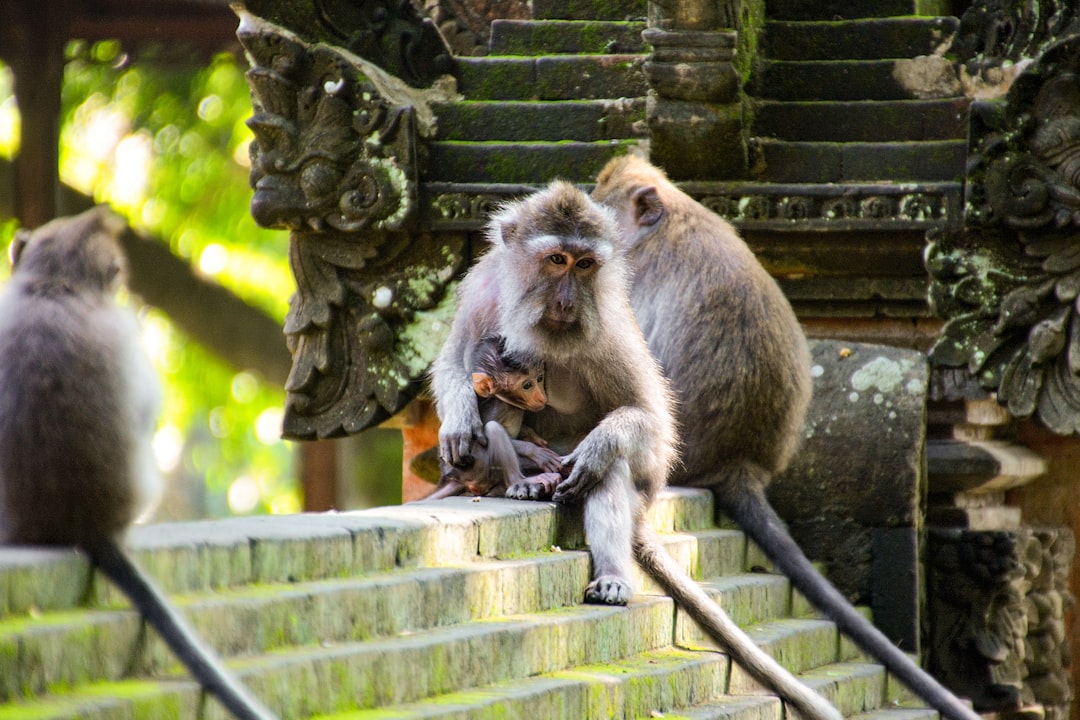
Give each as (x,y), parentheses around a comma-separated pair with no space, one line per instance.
(192,557)
(554,77)
(867,39)
(832,162)
(887,79)
(330,677)
(507,162)
(103,645)
(833,10)
(580,120)
(565,37)
(671,683)
(589,10)
(862,121)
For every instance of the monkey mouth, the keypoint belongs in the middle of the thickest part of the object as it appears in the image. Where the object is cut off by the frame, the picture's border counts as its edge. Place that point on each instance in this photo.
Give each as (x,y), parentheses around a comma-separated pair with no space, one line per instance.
(556,325)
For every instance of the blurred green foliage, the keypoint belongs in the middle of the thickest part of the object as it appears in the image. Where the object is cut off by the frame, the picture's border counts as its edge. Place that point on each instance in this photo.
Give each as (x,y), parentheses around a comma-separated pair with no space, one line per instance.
(162,139)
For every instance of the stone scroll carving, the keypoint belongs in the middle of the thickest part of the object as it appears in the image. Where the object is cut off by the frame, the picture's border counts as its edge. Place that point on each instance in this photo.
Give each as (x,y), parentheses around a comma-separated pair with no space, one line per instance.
(335,161)
(1009,281)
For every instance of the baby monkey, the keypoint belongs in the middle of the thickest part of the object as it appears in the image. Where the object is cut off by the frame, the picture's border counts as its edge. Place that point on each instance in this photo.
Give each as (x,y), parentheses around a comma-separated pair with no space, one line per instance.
(507,386)
(79,402)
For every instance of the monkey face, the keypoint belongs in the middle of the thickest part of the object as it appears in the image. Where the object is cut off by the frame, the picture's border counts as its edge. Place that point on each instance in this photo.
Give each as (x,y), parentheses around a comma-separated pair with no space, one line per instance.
(564,285)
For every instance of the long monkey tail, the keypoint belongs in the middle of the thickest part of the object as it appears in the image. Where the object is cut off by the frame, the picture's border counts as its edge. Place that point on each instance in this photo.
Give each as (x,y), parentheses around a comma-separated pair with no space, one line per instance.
(688,594)
(749,508)
(181,638)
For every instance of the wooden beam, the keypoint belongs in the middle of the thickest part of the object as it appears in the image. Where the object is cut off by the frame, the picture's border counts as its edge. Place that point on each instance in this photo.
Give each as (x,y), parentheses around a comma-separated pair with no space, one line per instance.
(34,48)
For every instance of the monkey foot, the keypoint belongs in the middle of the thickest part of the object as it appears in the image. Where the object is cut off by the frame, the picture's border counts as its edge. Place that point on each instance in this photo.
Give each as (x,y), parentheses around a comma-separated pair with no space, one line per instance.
(539,487)
(608,590)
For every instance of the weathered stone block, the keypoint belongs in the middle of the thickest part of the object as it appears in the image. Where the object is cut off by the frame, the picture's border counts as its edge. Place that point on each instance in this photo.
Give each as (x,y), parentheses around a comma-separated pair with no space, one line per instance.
(861,466)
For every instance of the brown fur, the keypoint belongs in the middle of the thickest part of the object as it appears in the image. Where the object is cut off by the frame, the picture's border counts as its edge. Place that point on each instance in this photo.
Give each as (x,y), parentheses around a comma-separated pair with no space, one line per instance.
(506,386)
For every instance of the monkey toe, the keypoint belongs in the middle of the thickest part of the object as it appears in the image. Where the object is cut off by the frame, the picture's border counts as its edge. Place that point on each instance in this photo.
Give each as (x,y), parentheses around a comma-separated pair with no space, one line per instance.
(608,590)
(530,489)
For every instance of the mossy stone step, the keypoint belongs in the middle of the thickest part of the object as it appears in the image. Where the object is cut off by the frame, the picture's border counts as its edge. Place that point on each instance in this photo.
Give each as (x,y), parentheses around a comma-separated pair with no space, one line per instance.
(847,10)
(547,37)
(856,39)
(189,557)
(331,677)
(499,162)
(672,683)
(888,79)
(580,120)
(77,647)
(637,686)
(862,121)
(835,162)
(589,9)
(554,77)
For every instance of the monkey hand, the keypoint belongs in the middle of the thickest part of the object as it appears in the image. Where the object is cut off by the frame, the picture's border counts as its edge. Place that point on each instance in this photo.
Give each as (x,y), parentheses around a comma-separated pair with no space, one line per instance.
(586,472)
(529,435)
(541,458)
(457,436)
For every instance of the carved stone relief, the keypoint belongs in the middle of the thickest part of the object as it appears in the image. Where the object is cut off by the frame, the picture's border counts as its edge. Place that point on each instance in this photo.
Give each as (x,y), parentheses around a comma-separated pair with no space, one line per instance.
(1009,281)
(996,619)
(335,162)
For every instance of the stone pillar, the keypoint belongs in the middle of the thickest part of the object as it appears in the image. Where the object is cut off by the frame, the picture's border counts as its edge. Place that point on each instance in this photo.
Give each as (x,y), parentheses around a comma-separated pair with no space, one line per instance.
(695,109)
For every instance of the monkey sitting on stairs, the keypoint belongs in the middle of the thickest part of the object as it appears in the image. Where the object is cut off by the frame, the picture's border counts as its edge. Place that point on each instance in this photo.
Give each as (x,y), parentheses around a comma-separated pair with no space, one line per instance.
(554,284)
(79,403)
(731,346)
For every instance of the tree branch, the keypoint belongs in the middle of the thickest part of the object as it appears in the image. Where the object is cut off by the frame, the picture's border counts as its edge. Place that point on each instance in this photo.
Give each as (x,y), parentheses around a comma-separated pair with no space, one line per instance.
(240,334)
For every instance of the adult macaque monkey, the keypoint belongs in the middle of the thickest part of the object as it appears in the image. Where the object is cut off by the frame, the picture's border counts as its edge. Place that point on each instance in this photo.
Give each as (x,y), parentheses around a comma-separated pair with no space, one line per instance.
(554,285)
(737,361)
(507,386)
(78,407)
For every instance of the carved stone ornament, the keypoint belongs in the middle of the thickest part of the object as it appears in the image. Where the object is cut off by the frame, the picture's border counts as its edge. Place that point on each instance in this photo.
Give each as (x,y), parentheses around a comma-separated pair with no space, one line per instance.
(1009,282)
(997,631)
(335,162)
(389,33)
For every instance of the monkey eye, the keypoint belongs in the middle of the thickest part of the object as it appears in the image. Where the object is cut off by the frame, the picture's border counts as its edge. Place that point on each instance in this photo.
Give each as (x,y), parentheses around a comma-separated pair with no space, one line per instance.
(585,263)
(557,259)
(527,385)
(540,379)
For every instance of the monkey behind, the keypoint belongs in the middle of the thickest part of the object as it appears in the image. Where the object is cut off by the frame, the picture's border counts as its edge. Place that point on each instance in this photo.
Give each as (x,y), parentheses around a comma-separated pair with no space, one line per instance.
(737,359)
(78,398)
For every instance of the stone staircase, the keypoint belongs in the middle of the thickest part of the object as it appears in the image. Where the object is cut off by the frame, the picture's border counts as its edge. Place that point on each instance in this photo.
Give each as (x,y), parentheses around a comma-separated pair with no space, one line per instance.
(463,609)
(557,96)
(854,93)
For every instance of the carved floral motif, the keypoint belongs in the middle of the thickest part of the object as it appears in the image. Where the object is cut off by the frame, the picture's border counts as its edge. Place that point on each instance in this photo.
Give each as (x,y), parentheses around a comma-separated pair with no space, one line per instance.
(334,161)
(1009,282)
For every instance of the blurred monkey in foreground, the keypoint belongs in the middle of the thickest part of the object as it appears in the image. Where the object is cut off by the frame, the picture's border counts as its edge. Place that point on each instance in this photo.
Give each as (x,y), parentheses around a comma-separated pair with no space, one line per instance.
(79,402)
(738,363)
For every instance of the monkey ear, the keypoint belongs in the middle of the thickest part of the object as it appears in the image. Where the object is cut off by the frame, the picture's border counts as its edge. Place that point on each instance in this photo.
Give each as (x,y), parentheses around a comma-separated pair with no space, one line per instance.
(508,231)
(648,207)
(18,244)
(483,385)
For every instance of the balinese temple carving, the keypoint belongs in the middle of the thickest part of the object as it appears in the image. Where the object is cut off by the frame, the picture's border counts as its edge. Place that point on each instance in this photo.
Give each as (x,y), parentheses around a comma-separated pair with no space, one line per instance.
(335,161)
(996,623)
(1008,282)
